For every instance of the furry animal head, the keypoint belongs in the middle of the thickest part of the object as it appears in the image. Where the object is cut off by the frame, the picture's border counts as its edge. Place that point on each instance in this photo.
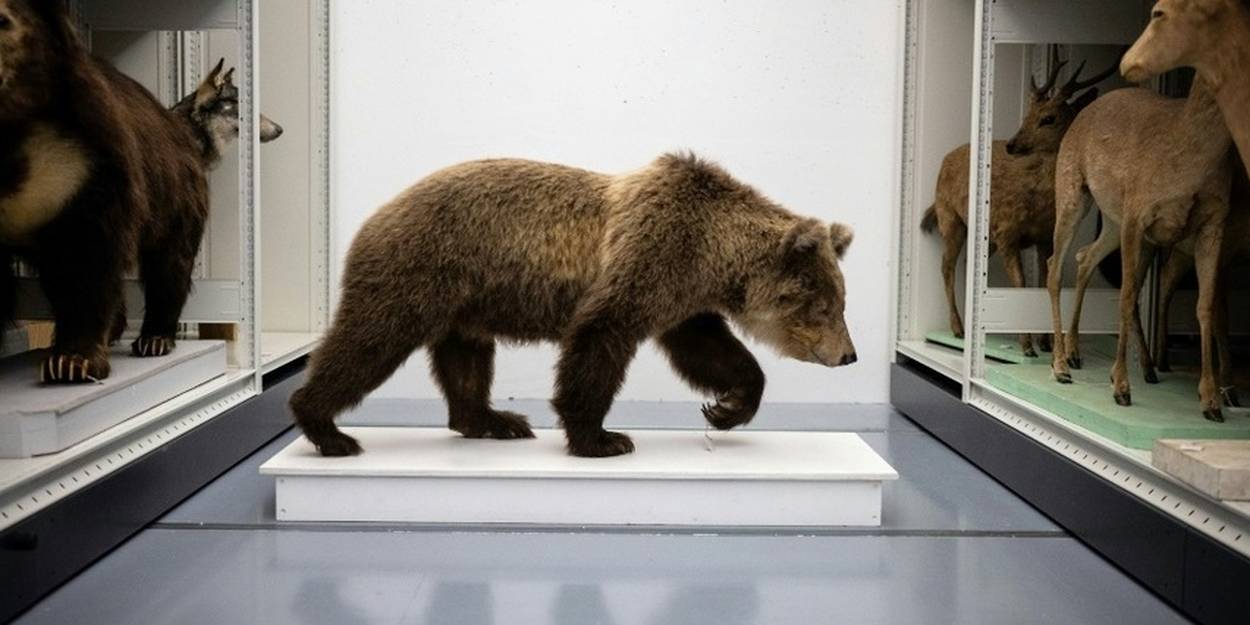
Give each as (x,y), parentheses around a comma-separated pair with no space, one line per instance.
(798,308)
(34,36)
(1182,33)
(1052,111)
(214,110)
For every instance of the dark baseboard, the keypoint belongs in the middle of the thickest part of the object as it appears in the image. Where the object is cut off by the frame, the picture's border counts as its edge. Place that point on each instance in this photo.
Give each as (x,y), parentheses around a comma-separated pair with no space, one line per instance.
(1200,577)
(44,551)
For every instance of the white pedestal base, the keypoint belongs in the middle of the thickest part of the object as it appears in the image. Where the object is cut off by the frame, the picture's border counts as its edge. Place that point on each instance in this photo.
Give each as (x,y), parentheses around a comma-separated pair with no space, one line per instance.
(427,475)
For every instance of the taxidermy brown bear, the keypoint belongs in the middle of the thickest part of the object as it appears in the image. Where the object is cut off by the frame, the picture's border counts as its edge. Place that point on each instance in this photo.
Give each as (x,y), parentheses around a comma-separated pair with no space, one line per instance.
(97,177)
(523,251)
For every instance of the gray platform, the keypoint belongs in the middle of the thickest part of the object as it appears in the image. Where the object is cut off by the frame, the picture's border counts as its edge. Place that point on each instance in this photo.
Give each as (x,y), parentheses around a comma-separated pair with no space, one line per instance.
(37,419)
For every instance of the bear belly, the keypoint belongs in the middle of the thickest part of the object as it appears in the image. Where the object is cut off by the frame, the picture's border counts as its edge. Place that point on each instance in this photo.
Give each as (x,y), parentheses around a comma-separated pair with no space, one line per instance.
(56,168)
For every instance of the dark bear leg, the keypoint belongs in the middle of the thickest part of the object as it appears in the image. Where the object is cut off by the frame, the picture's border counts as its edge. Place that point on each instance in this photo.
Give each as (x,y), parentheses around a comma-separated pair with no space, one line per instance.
(712,360)
(166,272)
(8,288)
(82,279)
(591,369)
(464,368)
(368,341)
(119,324)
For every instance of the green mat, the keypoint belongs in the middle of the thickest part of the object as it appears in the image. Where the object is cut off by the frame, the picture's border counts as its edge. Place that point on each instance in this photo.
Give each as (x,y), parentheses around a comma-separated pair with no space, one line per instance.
(1000,347)
(1168,409)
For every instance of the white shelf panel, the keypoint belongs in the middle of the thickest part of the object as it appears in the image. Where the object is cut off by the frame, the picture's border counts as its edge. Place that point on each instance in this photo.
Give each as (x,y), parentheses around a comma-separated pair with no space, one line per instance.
(28,485)
(210,301)
(146,15)
(944,360)
(37,419)
(13,341)
(280,348)
(429,475)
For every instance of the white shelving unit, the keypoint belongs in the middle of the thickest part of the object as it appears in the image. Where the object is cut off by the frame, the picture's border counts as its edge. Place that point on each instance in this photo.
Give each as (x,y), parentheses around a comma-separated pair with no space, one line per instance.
(998,40)
(273,198)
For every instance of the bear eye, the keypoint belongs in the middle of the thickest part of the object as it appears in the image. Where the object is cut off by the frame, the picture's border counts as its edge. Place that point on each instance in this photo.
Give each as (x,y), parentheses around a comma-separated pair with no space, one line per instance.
(1047,121)
(5,22)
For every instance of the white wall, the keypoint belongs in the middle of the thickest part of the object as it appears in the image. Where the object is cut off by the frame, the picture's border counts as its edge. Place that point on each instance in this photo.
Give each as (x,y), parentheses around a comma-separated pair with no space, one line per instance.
(798,99)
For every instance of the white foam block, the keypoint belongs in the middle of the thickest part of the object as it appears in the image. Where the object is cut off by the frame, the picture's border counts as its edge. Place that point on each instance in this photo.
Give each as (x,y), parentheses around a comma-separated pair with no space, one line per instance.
(429,475)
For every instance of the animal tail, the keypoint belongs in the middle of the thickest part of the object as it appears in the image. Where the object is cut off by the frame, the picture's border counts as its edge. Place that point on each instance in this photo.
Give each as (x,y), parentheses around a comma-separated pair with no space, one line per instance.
(929,223)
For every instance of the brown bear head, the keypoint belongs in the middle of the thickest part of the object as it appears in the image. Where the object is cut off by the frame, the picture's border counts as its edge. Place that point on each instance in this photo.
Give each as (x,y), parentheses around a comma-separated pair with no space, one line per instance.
(798,308)
(33,33)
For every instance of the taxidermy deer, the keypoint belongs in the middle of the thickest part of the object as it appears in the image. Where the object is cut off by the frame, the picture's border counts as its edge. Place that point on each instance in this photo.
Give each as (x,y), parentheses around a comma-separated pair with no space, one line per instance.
(1211,36)
(1022,202)
(1236,250)
(1159,170)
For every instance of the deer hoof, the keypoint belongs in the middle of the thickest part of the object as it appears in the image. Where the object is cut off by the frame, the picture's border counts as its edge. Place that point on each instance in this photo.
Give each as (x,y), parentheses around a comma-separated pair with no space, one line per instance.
(1030,353)
(1231,399)
(1074,362)
(1213,414)
(1124,399)
(1151,376)
(1063,377)
(1044,343)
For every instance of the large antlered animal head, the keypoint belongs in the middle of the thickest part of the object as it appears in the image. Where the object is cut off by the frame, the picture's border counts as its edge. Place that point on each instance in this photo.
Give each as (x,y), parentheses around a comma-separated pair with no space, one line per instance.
(799,309)
(34,37)
(214,106)
(1182,33)
(1052,111)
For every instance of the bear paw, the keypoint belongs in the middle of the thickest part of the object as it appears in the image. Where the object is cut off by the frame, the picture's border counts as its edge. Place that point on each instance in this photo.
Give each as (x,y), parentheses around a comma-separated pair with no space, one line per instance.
(336,443)
(601,444)
(72,369)
(151,346)
(729,411)
(498,424)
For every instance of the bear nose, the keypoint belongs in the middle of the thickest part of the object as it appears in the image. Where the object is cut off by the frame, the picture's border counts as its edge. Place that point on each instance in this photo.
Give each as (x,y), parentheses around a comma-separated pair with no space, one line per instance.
(849,358)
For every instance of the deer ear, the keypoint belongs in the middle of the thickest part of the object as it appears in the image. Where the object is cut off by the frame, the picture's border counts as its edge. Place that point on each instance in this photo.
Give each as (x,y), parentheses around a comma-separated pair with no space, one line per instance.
(841,236)
(1084,100)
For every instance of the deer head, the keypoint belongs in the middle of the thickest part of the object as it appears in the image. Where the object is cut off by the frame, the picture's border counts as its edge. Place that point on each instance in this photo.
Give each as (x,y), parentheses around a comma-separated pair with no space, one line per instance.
(1181,33)
(1052,111)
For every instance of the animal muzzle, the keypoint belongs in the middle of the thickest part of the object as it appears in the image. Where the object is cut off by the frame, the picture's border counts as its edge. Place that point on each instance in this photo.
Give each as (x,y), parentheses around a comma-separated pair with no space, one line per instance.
(1015,149)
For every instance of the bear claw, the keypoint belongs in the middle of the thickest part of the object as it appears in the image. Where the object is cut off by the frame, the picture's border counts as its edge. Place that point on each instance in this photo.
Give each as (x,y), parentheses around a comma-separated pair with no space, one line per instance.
(602,444)
(496,424)
(71,369)
(149,346)
(338,444)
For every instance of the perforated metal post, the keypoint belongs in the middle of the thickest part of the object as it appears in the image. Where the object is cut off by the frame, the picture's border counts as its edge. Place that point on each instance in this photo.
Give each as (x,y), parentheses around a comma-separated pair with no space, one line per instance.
(248,339)
(979,193)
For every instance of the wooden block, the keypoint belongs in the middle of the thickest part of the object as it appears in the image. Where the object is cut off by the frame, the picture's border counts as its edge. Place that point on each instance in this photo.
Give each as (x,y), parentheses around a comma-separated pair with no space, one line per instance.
(217,331)
(39,334)
(1220,468)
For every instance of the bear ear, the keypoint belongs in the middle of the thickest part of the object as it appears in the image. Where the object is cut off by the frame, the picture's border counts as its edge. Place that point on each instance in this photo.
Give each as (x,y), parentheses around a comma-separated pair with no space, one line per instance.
(802,238)
(841,236)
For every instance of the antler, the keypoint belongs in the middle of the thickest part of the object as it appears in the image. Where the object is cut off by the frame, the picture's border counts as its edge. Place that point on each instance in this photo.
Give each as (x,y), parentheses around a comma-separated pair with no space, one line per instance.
(1074,84)
(1050,82)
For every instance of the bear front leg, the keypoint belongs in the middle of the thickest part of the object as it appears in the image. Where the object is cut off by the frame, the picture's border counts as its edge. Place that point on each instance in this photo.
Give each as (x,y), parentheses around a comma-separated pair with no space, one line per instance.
(590,372)
(82,280)
(8,288)
(707,355)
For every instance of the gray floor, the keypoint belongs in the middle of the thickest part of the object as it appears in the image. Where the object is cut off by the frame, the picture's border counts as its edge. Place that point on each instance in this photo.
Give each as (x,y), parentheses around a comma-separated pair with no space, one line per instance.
(955,548)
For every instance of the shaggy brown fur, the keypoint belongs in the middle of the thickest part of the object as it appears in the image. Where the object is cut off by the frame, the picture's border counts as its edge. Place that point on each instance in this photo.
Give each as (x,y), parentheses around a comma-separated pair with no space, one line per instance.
(95,177)
(1159,170)
(1022,197)
(524,251)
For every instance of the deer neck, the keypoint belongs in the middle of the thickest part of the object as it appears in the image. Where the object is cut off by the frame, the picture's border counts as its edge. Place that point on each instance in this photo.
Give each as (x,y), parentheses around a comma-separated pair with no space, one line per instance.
(1202,125)
(1229,76)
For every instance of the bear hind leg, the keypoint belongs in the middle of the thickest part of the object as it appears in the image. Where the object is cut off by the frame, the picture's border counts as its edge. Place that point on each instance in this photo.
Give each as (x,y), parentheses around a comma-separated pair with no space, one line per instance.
(464,368)
(368,341)
(166,273)
(711,359)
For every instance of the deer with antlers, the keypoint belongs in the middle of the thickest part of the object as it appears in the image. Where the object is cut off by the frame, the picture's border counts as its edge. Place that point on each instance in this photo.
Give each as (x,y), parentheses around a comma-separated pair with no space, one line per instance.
(1159,170)
(1211,36)
(1022,202)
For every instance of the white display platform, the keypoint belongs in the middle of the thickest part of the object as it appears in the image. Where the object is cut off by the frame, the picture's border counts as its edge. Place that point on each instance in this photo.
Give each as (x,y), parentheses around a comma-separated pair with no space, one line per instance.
(37,419)
(433,475)
(13,340)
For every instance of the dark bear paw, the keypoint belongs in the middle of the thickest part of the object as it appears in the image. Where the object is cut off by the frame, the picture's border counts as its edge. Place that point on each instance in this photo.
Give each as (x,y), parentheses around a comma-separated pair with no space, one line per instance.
(601,444)
(152,346)
(335,444)
(729,411)
(73,369)
(497,424)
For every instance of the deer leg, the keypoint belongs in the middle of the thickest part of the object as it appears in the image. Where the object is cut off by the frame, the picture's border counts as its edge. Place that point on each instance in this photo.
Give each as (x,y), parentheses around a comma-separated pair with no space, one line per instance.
(1228,390)
(1143,346)
(1087,259)
(1177,265)
(1043,255)
(953,237)
(1130,251)
(1071,203)
(1015,273)
(1206,260)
